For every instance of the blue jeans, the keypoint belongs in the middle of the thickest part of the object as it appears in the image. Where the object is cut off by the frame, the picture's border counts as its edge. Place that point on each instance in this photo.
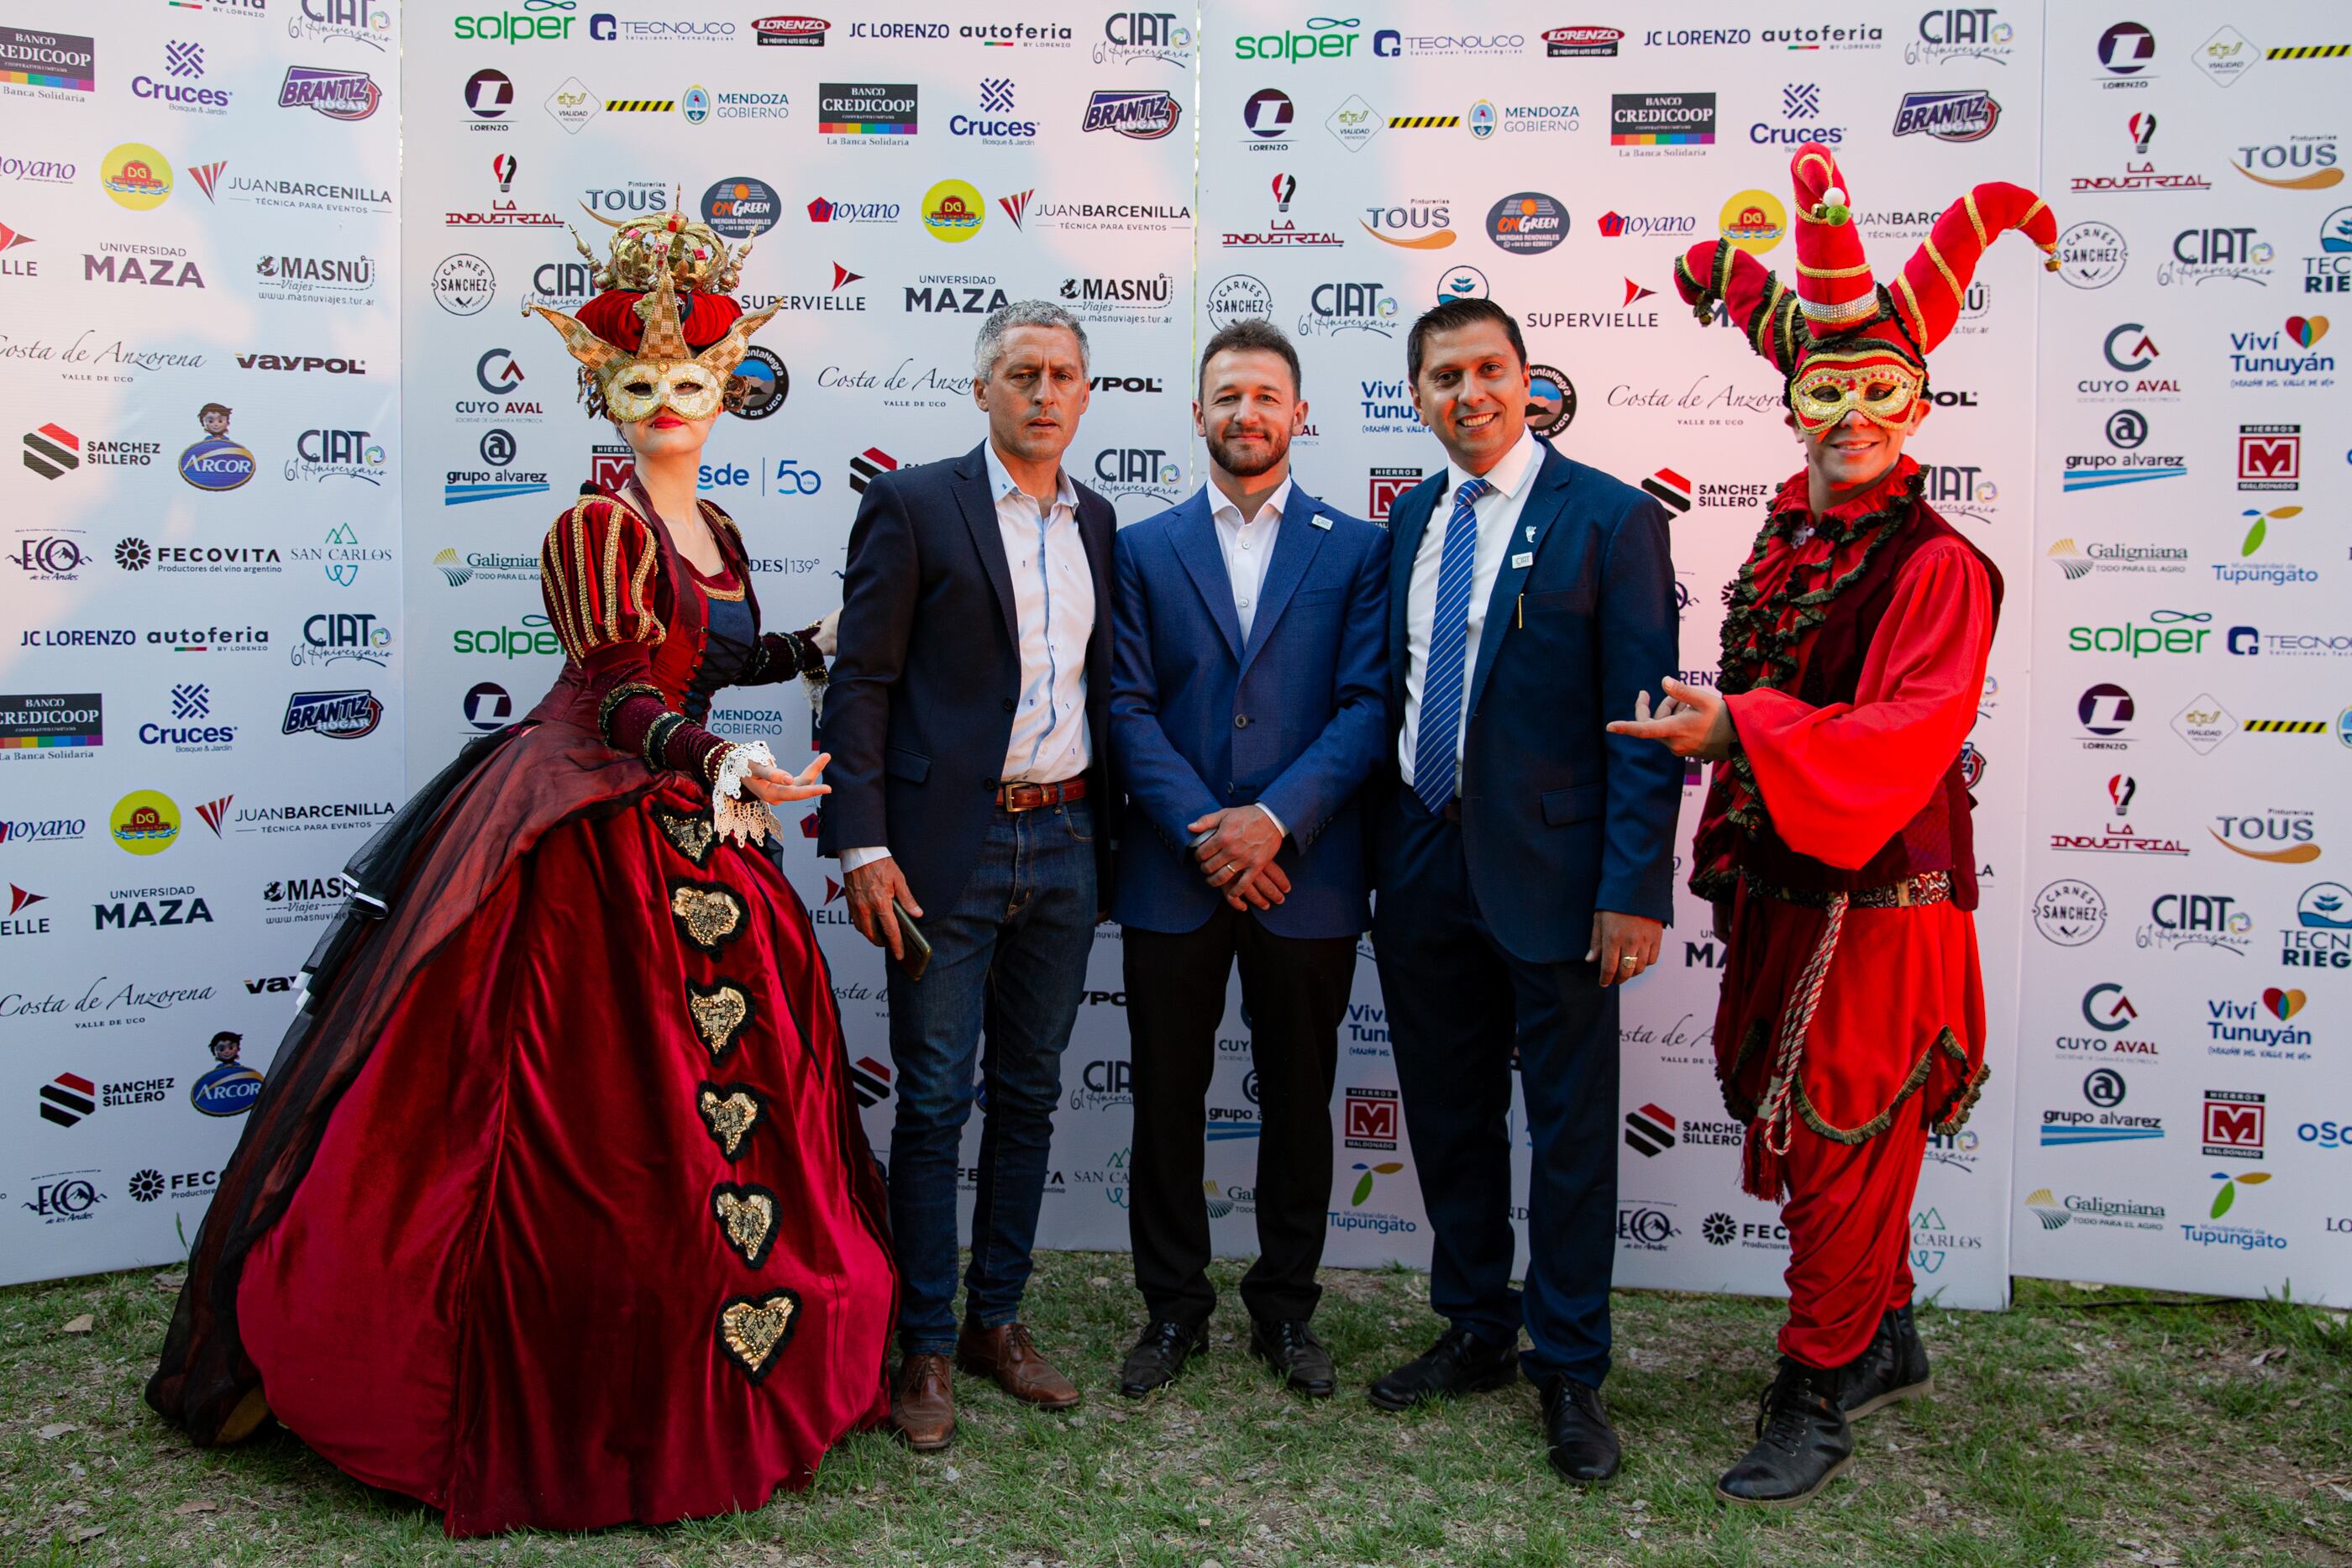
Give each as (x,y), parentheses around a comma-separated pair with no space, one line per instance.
(1010,957)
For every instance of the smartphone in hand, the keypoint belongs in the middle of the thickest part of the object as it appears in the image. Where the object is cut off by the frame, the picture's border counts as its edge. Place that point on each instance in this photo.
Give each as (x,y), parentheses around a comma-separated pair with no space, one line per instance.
(914,948)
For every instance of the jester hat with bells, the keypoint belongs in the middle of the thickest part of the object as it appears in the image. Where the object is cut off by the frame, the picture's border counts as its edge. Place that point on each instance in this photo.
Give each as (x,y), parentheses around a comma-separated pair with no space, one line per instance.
(1861,343)
(663,331)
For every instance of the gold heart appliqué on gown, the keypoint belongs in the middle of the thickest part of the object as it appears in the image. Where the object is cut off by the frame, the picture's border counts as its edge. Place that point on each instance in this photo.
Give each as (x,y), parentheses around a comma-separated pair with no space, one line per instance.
(721,1014)
(710,916)
(692,835)
(747,1218)
(754,1329)
(729,1115)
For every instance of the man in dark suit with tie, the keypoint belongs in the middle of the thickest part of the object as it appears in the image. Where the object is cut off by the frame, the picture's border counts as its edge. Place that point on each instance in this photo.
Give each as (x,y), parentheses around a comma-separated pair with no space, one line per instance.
(1524,866)
(967,720)
(1248,706)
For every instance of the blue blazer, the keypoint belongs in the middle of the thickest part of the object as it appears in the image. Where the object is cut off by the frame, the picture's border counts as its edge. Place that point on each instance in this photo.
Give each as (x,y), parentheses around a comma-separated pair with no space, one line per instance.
(1558,817)
(1295,718)
(919,710)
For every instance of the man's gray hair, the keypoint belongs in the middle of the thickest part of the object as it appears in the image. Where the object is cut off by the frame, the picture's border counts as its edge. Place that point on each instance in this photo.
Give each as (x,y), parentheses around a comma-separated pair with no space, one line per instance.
(1020,313)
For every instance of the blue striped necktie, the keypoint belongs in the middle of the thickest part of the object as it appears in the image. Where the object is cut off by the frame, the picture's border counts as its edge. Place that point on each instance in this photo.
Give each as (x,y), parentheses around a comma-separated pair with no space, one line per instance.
(1435,758)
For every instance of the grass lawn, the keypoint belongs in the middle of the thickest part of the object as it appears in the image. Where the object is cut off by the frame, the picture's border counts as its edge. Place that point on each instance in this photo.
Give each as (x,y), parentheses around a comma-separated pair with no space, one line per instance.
(2086,1427)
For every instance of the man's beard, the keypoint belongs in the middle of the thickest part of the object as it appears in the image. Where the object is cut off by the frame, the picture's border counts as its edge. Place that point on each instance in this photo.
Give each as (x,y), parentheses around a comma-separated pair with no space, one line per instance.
(1277,447)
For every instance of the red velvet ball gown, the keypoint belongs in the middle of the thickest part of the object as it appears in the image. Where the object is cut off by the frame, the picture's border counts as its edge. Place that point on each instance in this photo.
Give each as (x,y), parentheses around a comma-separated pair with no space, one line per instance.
(556,1210)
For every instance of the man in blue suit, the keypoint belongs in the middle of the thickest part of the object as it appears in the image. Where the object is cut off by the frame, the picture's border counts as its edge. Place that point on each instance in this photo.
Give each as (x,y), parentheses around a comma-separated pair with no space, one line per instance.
(1524,865)
(1248,706)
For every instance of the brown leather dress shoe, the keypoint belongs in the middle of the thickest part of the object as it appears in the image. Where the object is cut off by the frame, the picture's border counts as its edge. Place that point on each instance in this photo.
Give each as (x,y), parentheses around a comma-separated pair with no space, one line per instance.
(922,1402)
(1009,1355)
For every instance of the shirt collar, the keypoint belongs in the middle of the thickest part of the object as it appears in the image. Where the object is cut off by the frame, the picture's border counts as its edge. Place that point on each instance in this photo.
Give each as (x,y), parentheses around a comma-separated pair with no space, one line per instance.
(1508,477)
(1000,480)
(1222,509)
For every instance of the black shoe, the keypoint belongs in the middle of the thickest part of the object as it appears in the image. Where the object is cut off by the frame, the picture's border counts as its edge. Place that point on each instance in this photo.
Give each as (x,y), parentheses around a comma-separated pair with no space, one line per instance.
(1290,1347)
(1160,1355)
(1803,1440)
(1459,1362)
(1894,1367)
(1583,1445)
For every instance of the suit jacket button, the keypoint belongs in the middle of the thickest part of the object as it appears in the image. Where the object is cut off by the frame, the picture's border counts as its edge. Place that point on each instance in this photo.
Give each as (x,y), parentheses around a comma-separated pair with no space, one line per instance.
(1241,721)
(989,785)
(1008,704)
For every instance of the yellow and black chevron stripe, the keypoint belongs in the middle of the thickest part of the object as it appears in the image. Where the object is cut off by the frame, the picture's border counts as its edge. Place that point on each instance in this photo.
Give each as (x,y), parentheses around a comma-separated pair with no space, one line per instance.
(2309,52)
(2286,727)
(640,105)
(1424,121)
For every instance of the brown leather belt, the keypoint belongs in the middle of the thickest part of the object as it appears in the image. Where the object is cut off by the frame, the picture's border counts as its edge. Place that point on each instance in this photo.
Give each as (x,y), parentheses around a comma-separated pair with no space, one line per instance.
(1029,796)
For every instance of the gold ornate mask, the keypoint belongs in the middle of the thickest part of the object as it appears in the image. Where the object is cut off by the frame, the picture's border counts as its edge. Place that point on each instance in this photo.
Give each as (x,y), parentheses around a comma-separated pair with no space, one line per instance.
(642,388)
(1831,386)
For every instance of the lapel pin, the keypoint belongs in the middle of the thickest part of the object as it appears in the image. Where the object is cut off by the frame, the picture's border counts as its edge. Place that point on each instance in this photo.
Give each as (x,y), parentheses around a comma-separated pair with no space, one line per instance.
(1524,559)
(1532,533)
(1323,523)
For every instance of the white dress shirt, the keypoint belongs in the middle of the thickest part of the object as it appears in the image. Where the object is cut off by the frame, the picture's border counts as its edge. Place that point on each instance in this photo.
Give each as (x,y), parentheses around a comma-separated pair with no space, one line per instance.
(1248,545)
(1054,610)
(1497,512)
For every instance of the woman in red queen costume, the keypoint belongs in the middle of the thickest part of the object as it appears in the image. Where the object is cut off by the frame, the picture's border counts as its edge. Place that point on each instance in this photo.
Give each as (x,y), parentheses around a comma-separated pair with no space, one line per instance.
(556,1210)
(1836,843)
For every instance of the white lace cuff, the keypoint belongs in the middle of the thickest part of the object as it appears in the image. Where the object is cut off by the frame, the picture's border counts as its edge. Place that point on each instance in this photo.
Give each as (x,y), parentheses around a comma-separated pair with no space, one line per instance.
(736,813)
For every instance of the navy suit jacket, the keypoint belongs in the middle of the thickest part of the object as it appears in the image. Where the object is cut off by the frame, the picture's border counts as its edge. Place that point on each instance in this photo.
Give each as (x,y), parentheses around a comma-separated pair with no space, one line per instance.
(1295,717)
(919,710)
(1560,818)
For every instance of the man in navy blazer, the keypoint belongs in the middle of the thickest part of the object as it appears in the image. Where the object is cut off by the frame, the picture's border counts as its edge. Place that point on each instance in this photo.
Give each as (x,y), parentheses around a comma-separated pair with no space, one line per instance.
(967,720)
(1525,866)
(1248,707)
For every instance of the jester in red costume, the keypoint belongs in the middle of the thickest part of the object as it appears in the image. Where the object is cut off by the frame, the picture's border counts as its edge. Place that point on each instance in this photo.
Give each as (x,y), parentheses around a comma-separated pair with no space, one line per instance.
(1835,844)
(555,1210)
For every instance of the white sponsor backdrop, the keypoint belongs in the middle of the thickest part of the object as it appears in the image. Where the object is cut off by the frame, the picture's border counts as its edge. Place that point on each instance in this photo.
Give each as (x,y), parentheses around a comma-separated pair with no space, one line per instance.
(509,136)
(200,714)
(2182,1115)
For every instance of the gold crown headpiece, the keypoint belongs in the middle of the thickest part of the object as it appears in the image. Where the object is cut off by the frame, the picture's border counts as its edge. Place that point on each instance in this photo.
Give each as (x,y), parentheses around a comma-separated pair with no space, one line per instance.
(658,256)
(670,245)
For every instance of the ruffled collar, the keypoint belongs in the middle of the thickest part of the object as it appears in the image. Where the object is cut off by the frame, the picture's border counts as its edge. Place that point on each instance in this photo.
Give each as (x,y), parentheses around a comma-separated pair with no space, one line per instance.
(1793,499)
